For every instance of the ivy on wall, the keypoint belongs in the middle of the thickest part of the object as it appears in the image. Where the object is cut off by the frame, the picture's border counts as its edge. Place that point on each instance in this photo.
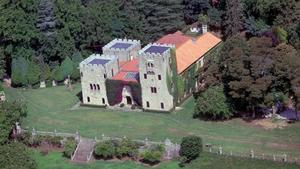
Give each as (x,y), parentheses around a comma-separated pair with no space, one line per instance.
(114,90)
(172,77)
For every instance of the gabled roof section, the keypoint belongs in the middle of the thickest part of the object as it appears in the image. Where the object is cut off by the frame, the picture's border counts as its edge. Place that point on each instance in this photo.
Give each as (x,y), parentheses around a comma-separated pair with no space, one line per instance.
(193,50)
(177,39)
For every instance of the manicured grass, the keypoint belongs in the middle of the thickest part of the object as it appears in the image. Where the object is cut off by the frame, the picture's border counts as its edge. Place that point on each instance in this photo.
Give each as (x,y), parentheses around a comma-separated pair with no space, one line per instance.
(49,109)
(213,161)
(54,160)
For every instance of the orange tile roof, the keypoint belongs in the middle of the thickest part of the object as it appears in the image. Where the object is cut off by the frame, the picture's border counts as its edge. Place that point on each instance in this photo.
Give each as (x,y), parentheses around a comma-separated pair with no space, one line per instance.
(193,50)
(177,38)
(189,51)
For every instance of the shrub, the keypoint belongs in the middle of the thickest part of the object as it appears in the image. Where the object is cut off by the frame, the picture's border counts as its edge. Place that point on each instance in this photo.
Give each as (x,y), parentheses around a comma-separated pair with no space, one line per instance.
(151,156)
(69,147)
(55,141)
(25,138)
(190,147)
(127,148)
(105,150)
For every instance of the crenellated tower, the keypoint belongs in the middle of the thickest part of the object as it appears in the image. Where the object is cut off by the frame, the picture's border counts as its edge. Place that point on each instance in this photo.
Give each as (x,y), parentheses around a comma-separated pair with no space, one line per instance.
(154,69)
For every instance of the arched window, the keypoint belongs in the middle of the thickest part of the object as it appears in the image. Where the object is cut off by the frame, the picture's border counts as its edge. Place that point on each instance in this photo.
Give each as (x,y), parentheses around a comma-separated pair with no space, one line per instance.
(148,104)
(91,86)
(94,86)
(98,87)
(88,99)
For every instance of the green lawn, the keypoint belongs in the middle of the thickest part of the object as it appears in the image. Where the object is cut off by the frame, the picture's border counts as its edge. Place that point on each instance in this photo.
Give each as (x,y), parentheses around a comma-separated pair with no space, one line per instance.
(54,160)
(49,109)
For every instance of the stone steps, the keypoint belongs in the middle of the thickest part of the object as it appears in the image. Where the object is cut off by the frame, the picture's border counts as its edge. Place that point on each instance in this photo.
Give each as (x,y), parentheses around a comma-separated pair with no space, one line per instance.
(85,147)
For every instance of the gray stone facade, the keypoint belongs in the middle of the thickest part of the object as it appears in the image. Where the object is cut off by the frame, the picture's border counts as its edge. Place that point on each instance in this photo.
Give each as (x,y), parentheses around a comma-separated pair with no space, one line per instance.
(153,69)
(93,78)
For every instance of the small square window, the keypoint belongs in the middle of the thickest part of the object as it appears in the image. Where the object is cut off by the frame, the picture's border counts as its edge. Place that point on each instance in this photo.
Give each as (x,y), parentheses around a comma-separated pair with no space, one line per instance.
(105,76)
(145,76)
(159,77)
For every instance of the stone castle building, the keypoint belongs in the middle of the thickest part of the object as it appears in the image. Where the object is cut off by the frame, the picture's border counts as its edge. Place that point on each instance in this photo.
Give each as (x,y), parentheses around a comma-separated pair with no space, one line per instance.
(156,77)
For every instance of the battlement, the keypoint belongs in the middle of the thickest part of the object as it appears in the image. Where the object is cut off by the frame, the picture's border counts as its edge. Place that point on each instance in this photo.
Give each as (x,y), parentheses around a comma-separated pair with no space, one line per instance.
(156,50)
(122,45)
(97,60)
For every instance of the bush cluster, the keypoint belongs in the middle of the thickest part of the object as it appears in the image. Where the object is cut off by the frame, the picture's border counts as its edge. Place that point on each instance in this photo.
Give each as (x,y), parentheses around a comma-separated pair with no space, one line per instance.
(69,147)
(119,149)
(152,155)
(37,140)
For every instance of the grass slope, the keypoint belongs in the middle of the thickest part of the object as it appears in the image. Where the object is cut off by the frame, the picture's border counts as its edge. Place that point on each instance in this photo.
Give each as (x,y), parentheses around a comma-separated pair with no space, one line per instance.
(49,109)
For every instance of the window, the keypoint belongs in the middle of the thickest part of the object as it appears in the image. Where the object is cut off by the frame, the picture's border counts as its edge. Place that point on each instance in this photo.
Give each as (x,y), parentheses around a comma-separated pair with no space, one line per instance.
(91,86)
(153,90)
(145,76)
(112,72)
(104,75)
(103,101)
(88,99)
(151,64)
(148,104)
(159,77)
(162,106)
(94,86)
(98,87)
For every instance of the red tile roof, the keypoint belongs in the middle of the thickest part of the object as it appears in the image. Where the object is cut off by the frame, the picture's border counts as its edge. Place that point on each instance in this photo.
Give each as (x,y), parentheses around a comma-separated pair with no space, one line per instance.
(177,38)
(125,68)
(130,66)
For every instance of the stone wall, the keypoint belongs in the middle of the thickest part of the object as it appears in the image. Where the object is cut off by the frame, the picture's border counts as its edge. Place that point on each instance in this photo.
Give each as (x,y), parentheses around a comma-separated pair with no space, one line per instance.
(96,75)
(155,77)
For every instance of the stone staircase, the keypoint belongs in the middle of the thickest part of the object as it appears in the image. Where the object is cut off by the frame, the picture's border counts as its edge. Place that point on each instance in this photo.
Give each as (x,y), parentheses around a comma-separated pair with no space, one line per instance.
(84,150)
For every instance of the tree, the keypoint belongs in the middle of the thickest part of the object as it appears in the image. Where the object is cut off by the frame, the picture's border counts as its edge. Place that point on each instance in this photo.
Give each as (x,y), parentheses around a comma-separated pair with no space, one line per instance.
(214,17)
(10,113)
(19,71)
(67,67)
(2,63)
(16,155)
(34,73)
(76,59)
(247,63)
(192,9)
(212,104)
(234,18)
(190,147)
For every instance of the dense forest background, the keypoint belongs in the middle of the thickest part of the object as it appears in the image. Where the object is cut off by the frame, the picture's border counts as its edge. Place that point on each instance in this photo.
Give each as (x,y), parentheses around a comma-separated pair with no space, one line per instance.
(39,37)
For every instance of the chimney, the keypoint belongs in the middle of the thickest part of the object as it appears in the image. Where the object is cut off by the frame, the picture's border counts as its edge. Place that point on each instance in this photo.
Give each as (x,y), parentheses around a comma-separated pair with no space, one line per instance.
(204,28)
